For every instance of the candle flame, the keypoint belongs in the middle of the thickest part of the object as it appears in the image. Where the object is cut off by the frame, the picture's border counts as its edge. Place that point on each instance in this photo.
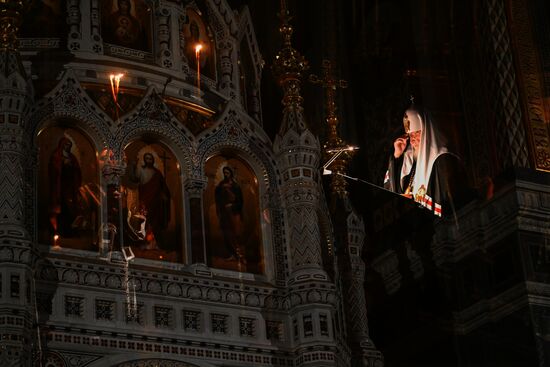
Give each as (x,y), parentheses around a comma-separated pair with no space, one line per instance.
(56,241)
(198,48)
(115,84)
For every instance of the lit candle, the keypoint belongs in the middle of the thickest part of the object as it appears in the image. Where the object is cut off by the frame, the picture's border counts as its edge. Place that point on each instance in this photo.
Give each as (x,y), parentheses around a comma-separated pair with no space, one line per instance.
(55,239)
(198,48)
(115,84)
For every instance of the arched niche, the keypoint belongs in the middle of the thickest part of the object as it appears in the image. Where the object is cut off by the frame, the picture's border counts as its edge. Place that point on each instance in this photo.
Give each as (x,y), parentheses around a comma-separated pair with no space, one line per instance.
(126,23)
(232,215)
(69,193)
(196,31)
(45,19)
(152,203)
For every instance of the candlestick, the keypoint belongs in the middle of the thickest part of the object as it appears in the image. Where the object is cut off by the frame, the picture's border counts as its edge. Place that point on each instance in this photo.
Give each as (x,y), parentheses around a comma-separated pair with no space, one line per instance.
(198,48)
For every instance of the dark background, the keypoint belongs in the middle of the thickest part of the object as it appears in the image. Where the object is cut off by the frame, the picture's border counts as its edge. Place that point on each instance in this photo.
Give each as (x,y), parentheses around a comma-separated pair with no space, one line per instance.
(437,51)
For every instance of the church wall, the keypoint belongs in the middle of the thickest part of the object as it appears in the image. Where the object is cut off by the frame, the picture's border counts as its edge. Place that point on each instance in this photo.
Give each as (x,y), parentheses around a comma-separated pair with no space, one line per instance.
(98,304)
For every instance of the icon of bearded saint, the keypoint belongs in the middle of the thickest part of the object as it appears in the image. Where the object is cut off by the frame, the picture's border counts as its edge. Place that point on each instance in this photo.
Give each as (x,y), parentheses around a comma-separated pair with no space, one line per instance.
(153,200)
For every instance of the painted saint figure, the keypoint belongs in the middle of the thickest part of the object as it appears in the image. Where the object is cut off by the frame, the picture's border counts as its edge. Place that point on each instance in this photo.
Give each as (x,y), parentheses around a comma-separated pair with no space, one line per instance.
(229,208)
(122,28)
(192,42)
(154,200)
(195,33)
(65,180)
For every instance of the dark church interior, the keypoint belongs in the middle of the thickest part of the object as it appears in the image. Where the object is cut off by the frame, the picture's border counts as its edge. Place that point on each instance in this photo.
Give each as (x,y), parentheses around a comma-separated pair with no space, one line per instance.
(459,59)
(203,235)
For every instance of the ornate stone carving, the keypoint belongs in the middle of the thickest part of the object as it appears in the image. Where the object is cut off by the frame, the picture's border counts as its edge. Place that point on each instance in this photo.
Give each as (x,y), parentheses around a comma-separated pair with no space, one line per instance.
(17,255)
(226,67)
(530,83)
(73,20)
(164,52)
(54,360)
(152,115)
(512,143)
(79,359)
(304,235)
(12,187)
(69,100)
(195,187)
(97,42)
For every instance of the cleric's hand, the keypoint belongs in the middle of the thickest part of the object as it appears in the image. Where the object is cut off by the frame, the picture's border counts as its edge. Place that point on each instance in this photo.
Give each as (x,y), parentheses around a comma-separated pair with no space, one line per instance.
(399,146)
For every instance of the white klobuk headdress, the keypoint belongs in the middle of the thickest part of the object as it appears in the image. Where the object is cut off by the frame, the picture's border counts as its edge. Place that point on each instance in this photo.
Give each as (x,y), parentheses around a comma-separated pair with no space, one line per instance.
(432,145)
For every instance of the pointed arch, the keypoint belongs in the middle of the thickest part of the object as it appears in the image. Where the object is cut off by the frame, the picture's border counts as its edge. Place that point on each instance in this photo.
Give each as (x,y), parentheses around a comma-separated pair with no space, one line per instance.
(235,129)
(68,100)
(153,117)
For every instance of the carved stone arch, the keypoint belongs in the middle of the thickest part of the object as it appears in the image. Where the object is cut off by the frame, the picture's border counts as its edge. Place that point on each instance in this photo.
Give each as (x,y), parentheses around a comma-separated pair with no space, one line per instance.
(233,130)
(69,100)
(153,117)
(236,129)
(54,359)
(245,155)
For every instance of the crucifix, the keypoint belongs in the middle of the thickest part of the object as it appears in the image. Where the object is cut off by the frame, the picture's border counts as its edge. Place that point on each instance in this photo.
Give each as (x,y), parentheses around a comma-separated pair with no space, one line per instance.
(329,82)
(336,151)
